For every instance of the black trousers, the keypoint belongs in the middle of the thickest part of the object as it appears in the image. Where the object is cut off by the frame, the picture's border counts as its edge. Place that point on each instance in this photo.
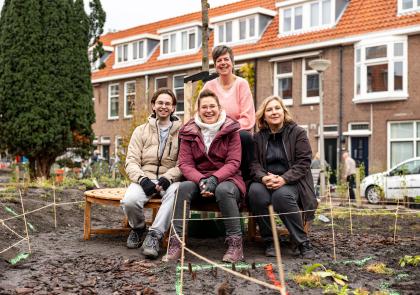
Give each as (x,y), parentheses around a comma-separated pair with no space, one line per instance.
(351,181)
(227,196)
(284,200)
(247,144)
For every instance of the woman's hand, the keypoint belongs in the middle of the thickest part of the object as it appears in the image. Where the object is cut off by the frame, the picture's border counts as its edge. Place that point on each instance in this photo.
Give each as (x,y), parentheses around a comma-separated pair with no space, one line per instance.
(273,181)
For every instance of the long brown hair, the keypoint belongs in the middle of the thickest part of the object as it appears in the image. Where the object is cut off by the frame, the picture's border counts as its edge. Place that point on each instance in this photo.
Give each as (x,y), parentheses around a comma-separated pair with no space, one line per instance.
(261,123)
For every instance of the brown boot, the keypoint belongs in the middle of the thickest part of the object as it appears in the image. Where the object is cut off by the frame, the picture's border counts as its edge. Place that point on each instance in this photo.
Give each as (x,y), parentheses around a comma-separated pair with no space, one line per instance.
(174,251)
(235,251)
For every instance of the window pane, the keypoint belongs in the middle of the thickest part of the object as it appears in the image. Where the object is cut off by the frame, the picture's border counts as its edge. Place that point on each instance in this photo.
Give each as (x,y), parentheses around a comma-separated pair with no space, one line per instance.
(312,85)
(401,151)
(179,93)
(398,49)
(326,12)
(191,41)
(242,29)
(252,27)
(141,49)
(114,90)
(114,107)
(130,98)
(284,67)
(407,4)
(298,18)
(398,75)
(358,52)
(184,40)
(125,52)
(285,88)
(228,31)
(179,82)
(119,50)
(418,149)
(165,45)
(314,14)
(418,132)
(358,80)
(402,130)
(161,83)
(418,3)
(173,42)
(287,20)
(221,33)
(377,78)
(135,44)
(376,52)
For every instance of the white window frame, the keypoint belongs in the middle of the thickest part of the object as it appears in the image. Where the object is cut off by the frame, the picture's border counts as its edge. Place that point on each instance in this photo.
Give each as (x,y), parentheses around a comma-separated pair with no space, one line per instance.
(414,139)
(176,49)
(126,115)
(236,31)
(158,78)
(414,9)
(305,73)
(289,101)
(130,60)
(109,101)
(382,96)
(306,17)
(143,52)
(174,90)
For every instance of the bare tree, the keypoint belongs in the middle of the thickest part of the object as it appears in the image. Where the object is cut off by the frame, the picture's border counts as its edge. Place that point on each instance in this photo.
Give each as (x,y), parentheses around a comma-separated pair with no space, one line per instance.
(205,35)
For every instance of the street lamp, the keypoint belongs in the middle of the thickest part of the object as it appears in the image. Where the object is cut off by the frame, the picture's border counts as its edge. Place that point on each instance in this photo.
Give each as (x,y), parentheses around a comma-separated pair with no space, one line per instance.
(320,65)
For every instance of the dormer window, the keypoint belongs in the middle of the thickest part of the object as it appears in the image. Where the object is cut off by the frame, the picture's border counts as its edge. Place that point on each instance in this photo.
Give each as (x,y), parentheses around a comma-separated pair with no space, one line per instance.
(96,65)
(182,39)
(134,50)
(302,16)
(241,27)
(408,6)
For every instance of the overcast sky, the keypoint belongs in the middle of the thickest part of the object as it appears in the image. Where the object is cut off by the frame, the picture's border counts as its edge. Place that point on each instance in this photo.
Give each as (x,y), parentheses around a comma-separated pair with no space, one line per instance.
(123,14)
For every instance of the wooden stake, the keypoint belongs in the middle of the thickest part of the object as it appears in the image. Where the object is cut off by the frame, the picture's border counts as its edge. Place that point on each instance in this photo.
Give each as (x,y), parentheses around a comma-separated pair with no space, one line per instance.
(332,225)
(396,221)
(54,207)
(170,228)
(277,248)
(351,216)
(24,219)
(183,245)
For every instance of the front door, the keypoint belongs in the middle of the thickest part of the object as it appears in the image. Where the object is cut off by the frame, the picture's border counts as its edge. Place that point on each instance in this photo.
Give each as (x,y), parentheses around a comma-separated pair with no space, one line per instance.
(360,151)
(331,157)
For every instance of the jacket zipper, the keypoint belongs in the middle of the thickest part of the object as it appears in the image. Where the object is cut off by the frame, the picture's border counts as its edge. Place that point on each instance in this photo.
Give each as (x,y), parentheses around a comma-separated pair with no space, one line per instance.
(170,145)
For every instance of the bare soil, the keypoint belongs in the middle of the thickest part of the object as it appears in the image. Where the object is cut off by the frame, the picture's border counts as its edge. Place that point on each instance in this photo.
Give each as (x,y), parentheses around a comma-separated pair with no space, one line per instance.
(61,262)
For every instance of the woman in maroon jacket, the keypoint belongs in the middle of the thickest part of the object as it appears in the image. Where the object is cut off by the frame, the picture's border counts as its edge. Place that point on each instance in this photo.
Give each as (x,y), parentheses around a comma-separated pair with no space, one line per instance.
(210,158)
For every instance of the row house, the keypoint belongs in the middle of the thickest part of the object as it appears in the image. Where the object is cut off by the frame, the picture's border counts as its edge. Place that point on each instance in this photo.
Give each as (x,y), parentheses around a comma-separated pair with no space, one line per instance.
(371,90)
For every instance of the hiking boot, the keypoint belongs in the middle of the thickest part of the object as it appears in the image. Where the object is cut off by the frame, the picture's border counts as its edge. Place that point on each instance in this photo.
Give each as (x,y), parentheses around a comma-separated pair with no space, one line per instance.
(306,250)
(234,252)
(150,247)
(174,250)
(134,238)
(269,249)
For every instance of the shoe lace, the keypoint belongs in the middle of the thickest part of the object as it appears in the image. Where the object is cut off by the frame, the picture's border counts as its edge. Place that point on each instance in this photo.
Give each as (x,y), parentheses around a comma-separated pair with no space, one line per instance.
(151,241)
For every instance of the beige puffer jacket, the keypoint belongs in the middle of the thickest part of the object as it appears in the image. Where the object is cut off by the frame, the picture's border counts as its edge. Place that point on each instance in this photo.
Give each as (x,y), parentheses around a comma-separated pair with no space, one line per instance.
(142,156)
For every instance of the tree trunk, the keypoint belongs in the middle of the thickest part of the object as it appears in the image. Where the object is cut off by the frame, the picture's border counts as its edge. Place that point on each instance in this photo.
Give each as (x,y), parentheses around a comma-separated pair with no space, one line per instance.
(43,166)
(32,169)
(205,35)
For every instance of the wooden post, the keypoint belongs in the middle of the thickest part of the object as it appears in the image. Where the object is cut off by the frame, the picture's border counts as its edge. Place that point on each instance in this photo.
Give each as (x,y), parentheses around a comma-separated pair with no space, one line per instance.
(188,108)
(332,225)
(55,207)
(358,198)
(277,248)
(86,235)
(183,245)
(24,219)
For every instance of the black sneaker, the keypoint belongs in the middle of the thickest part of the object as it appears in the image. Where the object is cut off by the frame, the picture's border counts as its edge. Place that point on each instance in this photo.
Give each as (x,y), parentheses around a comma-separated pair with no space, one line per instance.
(270,251)
(306,250)
(134,238)
(150,247)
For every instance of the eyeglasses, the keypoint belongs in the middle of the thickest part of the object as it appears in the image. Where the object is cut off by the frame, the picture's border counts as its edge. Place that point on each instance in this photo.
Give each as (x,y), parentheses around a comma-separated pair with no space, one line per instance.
(162,103)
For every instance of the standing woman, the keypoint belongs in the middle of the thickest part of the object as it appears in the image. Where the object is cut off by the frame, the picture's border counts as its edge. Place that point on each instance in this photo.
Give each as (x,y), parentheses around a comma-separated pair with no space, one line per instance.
(209,158)
(282,175)
(236,99)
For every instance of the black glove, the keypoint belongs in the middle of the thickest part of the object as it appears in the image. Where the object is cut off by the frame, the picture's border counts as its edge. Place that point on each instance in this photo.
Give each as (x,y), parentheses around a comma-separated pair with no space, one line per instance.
(164,183)
(208,184)
(148,186)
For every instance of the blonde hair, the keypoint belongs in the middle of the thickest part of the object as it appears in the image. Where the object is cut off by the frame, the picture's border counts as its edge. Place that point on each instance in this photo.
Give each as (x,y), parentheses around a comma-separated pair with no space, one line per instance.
(261,123)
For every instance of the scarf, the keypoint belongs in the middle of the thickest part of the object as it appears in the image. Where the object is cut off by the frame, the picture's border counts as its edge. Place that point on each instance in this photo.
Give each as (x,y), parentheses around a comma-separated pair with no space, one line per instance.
(209,131)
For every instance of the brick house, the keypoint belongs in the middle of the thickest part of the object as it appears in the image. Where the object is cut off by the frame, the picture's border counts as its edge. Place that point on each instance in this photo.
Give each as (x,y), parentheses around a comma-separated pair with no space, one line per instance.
(371,89)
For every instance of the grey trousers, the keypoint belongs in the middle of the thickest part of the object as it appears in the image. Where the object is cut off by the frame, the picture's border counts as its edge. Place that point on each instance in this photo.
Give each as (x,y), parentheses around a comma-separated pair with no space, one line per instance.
(284,200)
(227,196)
(133,204)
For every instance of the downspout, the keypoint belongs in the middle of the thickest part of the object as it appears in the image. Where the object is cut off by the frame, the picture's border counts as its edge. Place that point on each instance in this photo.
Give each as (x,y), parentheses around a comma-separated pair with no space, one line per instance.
(255,86)
(146,89)
(340,113)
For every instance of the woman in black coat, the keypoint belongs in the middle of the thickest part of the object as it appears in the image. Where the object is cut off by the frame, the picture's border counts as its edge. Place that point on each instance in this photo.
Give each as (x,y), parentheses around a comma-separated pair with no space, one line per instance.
(281,174)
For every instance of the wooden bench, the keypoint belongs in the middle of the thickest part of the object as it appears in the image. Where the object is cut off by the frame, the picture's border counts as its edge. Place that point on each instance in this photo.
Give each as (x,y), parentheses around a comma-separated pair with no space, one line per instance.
(113,196)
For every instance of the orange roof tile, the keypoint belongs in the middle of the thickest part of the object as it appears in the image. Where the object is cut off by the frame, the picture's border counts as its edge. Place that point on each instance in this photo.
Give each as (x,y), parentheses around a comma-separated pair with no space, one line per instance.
(360,17)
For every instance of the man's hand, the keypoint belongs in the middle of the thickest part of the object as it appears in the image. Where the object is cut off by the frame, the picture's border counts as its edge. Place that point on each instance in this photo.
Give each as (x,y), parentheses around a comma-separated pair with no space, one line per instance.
(273,181)
(163,184)
(148,186)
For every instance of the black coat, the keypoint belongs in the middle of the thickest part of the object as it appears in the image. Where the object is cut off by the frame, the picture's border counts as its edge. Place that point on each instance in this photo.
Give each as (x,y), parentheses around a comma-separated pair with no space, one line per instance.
(299,155)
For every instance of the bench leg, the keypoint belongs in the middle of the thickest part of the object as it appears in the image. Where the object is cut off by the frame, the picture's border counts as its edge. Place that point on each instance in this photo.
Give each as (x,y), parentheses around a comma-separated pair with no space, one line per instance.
(86,235)
(252,228)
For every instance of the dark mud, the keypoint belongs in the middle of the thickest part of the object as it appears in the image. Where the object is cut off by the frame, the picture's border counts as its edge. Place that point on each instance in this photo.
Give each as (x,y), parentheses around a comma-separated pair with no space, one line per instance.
(63,263)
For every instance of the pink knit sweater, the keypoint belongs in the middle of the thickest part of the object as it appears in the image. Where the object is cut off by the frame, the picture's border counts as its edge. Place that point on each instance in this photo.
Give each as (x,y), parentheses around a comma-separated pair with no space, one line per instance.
(237,101)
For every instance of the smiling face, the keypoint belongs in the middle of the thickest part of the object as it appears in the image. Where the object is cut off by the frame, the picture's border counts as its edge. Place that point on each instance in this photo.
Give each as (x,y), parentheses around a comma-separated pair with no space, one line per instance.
(224,65)
(163,106)
(274,114)
(209,110)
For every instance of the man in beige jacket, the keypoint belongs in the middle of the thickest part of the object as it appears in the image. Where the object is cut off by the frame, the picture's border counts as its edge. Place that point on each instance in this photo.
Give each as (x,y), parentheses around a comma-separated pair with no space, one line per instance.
(151,166)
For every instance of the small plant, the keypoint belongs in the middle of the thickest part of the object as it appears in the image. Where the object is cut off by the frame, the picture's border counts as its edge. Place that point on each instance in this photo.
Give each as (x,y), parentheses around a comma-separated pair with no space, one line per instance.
(361,291)
(379,268)
(313,278)
(335,289)
(307,280)
(410,260)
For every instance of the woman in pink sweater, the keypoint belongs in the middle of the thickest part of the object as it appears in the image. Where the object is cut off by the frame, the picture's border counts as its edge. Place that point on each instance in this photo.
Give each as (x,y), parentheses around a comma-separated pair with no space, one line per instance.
(236,99)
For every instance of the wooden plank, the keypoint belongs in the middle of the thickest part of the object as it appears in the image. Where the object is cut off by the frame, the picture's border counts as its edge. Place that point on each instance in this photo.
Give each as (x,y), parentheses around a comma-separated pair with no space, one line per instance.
(86,231)
(109,231)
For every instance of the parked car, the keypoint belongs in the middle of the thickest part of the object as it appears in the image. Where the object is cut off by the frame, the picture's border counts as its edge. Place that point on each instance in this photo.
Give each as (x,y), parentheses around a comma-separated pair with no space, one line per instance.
(401,181)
